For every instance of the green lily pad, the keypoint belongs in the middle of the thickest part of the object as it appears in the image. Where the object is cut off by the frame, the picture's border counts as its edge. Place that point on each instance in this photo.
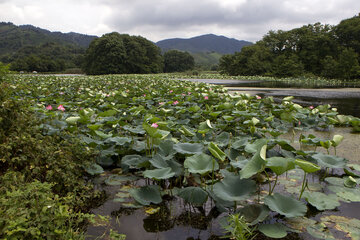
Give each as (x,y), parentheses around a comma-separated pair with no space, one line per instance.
(94,169)
(146,195)
(350,182)
(132,161)
(285,205)
(216,152)
(160,173)
(275,230)
(232,188)
(120,141)
(255,146)
(72,120)
(223,139)
(201,163)
(348,194)
(188,148)
(329,160)
(307,166)
(322,201)
(255,165)
(194,195)
(279,165)
(113,180)
(254,213)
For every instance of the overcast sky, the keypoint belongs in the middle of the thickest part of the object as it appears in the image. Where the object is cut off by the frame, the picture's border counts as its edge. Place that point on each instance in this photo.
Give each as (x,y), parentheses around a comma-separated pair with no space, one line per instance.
(160,19)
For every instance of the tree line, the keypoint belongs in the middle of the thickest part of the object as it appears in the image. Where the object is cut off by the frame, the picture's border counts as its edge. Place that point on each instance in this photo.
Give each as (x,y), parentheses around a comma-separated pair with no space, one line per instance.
(113,53)
(313,50)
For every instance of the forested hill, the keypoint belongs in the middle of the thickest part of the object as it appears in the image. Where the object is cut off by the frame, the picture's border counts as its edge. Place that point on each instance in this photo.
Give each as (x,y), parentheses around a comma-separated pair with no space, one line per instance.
(204,43)
(13,38)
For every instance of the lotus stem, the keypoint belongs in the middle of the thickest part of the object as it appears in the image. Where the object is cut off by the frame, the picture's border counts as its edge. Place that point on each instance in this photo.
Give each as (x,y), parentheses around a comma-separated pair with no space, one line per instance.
(268,178)
(272,190)
(303,186)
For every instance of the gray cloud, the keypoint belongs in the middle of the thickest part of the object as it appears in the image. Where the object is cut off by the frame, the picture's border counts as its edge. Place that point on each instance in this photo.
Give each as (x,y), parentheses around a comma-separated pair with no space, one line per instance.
(159,19)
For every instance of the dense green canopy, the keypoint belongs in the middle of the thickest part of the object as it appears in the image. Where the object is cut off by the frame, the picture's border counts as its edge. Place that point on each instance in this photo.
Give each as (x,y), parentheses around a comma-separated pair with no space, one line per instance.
(120,53)
(177,61)
(315,49)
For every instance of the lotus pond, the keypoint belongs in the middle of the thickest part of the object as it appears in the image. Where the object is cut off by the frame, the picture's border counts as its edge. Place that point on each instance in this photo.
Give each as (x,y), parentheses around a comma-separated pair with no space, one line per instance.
(187,160)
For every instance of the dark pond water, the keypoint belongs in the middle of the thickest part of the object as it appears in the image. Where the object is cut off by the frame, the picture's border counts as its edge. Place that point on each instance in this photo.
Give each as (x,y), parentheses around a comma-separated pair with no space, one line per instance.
(345,98)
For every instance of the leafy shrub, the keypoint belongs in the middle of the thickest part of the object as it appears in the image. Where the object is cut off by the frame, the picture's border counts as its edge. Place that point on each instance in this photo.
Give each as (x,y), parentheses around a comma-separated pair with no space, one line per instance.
(38,171)
(30,210)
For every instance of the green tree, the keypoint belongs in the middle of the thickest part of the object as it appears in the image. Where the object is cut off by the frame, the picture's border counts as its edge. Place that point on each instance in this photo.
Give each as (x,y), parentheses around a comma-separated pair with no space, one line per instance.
(4,70)
(115,53)
(348,66)
(177,61)
(348,33)
(287,65)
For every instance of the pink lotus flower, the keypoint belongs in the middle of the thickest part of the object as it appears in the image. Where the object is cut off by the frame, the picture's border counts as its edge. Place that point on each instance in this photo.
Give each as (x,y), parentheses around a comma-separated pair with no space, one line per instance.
(183,94)
(154,125)
(61,108)
(206,97)
(61,93)
(49,107)
(171,91)
(144,95)
(161,103)
(258,97)
(189,93)
(311,107)
(176,102)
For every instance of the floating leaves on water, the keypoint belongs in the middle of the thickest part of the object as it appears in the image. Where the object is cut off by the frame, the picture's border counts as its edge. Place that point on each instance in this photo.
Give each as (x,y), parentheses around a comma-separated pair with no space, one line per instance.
(329,161)
(275,230)
(201,163)
(151,210)
(232,188)
(188,148)
(119,179)
(285,205)
(279,165)
(254,213)
(194,195)
(350,182)
(322,201)
(72,120)
(147,194)
(160,173)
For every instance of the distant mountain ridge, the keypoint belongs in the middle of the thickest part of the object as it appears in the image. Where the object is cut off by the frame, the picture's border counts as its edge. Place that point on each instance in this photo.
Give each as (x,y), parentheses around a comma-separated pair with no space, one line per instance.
(13,37)
(204,43)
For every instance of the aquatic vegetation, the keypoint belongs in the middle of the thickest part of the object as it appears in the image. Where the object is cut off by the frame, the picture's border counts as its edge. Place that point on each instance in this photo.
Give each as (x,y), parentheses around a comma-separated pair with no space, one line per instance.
(197,142)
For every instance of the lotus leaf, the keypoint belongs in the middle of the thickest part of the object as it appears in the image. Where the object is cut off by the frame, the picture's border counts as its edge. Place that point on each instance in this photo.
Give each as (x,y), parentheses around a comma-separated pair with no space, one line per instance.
(160,173)
(201,163)
(329,160)
(119,179)
(279,165)
(188,148)
(285,205)
(255,165)
(322,201)
(166,148)
(255,146)
(132,161)
(254,213)
(94,169)
(216,152)
(120,141)
(146,195)
(223,139)
(72,120)
(350,182)
(194,195)
(307,166)
(232,188)
(275,230)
